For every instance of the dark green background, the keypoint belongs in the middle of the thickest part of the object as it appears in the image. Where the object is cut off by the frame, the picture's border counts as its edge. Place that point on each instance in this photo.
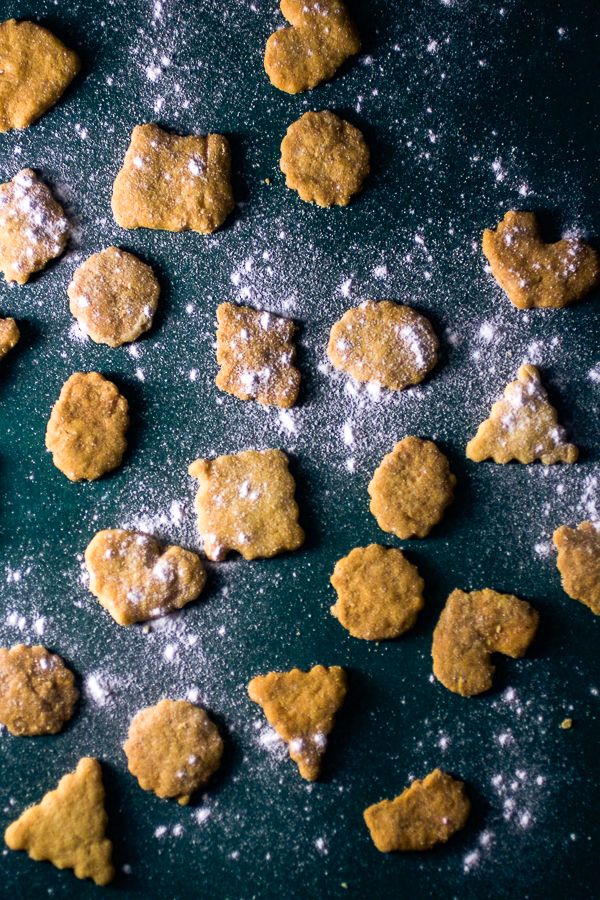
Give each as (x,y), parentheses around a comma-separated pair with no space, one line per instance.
(501,113)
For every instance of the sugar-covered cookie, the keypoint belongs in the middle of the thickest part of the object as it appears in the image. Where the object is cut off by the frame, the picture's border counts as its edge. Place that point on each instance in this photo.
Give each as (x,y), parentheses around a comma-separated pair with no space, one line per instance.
(135,581)
(37,691)
(173,749)
(384,343)
(301,707)
(411,488)
(321,38)
(113,295)
(174,183)
(256,355)
(324,158)
(245,502)
(33,227)
(534,273)
(522,426)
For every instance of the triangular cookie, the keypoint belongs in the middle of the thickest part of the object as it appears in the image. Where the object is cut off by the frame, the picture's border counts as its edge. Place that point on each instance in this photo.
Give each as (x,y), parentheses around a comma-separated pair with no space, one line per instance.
(67,827)
(522,426)
(301,707)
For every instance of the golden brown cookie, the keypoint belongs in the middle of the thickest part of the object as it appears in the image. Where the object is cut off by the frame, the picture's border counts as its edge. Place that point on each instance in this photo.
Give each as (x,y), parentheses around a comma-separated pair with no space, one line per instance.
(579,562)
(425,814)
(67,827)
(245,502)
(411,488)
(324,158)
(33,228)
(9,336)
(522,426)
(86,430)
(174,183)
(37,691)
(36,70)
(534,273)
(255,352)
(113,296)
(301,707)
(173,749)
(471,628)
(384,343)
(134,581)
(379,593)
(321,38)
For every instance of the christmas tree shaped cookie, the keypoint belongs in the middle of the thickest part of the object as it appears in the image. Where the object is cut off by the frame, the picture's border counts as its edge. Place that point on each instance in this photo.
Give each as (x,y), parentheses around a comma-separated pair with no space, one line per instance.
(301,707)
(522,426)
(67,827)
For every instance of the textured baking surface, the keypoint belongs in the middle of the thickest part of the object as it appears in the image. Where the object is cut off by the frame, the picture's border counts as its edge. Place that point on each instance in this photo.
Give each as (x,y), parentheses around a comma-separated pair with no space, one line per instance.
(470,108)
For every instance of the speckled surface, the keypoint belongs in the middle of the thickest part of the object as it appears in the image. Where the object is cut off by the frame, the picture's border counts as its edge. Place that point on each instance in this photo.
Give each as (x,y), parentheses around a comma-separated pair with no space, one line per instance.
(470,109)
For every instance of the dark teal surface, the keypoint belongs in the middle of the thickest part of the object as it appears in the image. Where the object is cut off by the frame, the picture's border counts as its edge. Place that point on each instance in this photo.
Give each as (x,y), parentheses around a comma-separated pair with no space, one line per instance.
(470,109)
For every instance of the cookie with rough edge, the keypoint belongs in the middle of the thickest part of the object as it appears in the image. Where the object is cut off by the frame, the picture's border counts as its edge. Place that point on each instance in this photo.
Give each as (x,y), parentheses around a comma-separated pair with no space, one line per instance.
(245,502)
(522,426)
(301,707)
(37,691)
(9,336)
(135,581)
(173,749)
(324,158)
(471,628)
(256,355)
(379,593)
(411,488)
(174,183)
(86,429)
(322,37)
(37,68)
(33,227)
(67,827)
(384,343)
(113,295)
(427,813)
(534,273)
(579,562)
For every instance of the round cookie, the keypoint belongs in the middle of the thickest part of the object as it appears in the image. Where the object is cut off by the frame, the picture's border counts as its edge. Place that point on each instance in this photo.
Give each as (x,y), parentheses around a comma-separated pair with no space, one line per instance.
(384,343)
(86,430)
(324,158)
(173,749)
(379,593)
(411,488)
(113,296)
(37,691)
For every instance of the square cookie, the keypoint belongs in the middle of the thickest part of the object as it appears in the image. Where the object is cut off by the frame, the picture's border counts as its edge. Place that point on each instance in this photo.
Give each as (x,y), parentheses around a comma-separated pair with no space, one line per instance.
(255,352)
(174,183)
(245,502)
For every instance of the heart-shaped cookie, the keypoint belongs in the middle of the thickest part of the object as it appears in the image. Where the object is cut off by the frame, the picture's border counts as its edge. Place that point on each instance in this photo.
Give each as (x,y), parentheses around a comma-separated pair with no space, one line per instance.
(134,581)
(534,273)
(321,38)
